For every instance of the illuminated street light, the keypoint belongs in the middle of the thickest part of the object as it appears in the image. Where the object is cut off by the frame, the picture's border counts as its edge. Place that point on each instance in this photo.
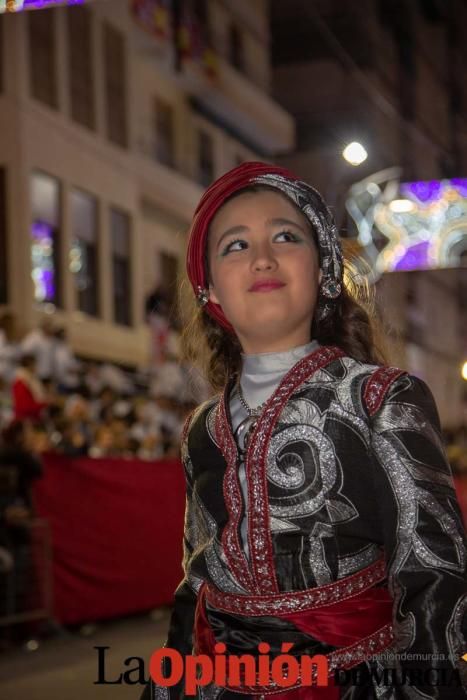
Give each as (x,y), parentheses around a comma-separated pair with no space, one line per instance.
(355,153)
(464,371)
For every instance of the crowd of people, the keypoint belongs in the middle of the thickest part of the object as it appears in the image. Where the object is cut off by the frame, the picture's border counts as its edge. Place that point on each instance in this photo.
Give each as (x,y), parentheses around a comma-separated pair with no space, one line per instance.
(81,408)
(52,401)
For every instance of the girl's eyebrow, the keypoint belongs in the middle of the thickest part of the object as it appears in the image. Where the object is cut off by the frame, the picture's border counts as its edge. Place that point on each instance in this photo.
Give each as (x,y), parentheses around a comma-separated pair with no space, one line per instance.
(235,230)
(284,222)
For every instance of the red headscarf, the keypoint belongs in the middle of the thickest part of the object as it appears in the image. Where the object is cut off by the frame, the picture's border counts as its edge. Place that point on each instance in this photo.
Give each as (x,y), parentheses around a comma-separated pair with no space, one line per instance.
(245,175)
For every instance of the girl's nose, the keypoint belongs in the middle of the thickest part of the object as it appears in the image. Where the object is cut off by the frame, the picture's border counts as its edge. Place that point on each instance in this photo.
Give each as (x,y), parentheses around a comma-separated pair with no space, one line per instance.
(263,258)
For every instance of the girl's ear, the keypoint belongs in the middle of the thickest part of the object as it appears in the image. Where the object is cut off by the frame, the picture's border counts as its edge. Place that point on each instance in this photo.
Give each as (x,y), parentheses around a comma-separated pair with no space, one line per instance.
(212,295)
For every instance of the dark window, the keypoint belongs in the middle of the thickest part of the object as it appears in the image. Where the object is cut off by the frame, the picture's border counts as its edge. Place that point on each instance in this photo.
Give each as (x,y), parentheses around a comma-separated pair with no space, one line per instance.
(115,85)
(200,8)
(81,62)
(3,238)
(84,250)
(205,159)
(45,238)
(42,57)
(201,13)
(236,51)
(165,136)
(121,266)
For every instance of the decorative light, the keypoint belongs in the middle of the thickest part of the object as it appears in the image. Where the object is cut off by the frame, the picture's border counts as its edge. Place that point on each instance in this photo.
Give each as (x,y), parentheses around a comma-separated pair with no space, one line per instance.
(401,206)
(410,226)
(354,153)
(42,259)
(18,5)
(464,371)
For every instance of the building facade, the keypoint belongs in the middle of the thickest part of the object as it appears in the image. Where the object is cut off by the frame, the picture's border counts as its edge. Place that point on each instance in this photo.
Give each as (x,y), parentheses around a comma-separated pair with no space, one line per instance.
(388,75)
(113,118)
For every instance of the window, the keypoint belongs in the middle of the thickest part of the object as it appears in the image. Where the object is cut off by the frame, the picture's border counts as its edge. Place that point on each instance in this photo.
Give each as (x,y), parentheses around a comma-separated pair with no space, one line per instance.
(84,251)
(165,137)
(42,57)
(45,237)
(3,238)
(236,52)
(201,13)
(121,266)
(115,85)
(80,66)
(205,158)
(200,8)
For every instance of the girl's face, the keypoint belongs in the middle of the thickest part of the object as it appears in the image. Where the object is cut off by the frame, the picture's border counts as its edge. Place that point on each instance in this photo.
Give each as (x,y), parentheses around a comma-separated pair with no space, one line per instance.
(264,271)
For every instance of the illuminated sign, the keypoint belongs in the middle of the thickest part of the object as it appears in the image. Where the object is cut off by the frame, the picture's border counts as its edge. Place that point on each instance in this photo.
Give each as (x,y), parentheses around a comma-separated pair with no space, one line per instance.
(410,226)
(18,5)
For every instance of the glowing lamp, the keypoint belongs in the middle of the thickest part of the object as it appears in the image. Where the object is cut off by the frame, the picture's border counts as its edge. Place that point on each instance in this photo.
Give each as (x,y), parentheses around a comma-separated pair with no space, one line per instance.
(354,153)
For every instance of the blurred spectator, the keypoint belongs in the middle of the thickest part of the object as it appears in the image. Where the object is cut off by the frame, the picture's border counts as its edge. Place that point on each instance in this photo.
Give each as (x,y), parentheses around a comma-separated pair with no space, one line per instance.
(103,443)
(70,440)
(168,380)
(116,379)
(65,365)
(93,380)
(40,343)
(151,447)
(104,404)
(19,467)
(157,316)
(6,404)
(9,350)
(28,391)
(38,438)
(17,456)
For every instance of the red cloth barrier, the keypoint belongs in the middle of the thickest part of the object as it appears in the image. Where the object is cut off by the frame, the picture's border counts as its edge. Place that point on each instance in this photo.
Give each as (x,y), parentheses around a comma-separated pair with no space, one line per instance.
(117,528)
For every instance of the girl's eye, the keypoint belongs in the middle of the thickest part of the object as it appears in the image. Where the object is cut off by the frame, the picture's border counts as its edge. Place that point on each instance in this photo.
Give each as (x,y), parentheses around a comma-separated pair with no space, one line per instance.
(234,246)
(239,244)
(288,236)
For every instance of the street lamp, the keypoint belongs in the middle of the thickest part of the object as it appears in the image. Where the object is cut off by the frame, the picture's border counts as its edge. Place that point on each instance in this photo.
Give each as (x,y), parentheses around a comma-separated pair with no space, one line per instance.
(354,153)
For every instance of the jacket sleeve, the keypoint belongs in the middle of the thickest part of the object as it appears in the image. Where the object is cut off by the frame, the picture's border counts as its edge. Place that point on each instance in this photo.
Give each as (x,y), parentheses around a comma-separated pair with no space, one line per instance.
(180,634)
(424,541)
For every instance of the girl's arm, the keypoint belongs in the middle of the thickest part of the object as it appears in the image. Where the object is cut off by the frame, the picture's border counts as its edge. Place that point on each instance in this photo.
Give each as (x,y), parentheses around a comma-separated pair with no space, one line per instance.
(180,634)
(424,540)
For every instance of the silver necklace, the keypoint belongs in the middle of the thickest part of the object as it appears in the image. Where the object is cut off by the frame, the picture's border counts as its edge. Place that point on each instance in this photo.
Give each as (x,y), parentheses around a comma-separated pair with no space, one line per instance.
(247,426)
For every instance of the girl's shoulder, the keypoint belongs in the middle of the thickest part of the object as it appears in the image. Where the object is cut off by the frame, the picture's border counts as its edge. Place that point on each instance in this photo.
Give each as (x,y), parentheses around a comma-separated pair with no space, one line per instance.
(381,385)
(198,414)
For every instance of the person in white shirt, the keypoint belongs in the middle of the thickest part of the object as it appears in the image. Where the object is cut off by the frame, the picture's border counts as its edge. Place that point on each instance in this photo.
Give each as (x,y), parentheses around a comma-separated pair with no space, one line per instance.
(40,342)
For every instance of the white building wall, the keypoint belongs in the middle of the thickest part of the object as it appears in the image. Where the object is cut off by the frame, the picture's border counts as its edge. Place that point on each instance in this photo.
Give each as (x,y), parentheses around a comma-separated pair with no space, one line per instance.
(34,137)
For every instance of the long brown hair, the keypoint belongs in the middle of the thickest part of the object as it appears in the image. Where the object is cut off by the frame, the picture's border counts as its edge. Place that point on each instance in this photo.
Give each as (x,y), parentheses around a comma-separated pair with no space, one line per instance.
(353,327)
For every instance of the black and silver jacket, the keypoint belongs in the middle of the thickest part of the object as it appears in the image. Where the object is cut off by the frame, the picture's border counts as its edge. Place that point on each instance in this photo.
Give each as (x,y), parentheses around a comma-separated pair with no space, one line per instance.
(346,463)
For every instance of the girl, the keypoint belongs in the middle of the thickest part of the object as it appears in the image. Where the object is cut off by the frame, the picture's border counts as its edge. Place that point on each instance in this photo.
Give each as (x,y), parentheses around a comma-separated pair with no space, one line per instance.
(320,508)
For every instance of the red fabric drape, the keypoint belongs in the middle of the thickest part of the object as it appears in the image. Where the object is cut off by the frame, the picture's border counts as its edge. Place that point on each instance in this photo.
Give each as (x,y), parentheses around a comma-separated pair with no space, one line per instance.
(117,528)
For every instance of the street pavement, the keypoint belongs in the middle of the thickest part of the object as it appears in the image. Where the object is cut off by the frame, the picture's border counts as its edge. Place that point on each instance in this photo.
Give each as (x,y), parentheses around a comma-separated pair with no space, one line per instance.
(66,667)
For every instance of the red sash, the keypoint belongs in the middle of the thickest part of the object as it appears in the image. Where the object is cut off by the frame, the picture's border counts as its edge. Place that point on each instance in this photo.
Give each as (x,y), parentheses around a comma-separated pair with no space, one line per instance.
(359,625)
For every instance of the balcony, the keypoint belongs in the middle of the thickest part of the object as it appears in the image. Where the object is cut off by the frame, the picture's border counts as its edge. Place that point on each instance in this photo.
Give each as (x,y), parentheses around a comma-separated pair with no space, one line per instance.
(237,105)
